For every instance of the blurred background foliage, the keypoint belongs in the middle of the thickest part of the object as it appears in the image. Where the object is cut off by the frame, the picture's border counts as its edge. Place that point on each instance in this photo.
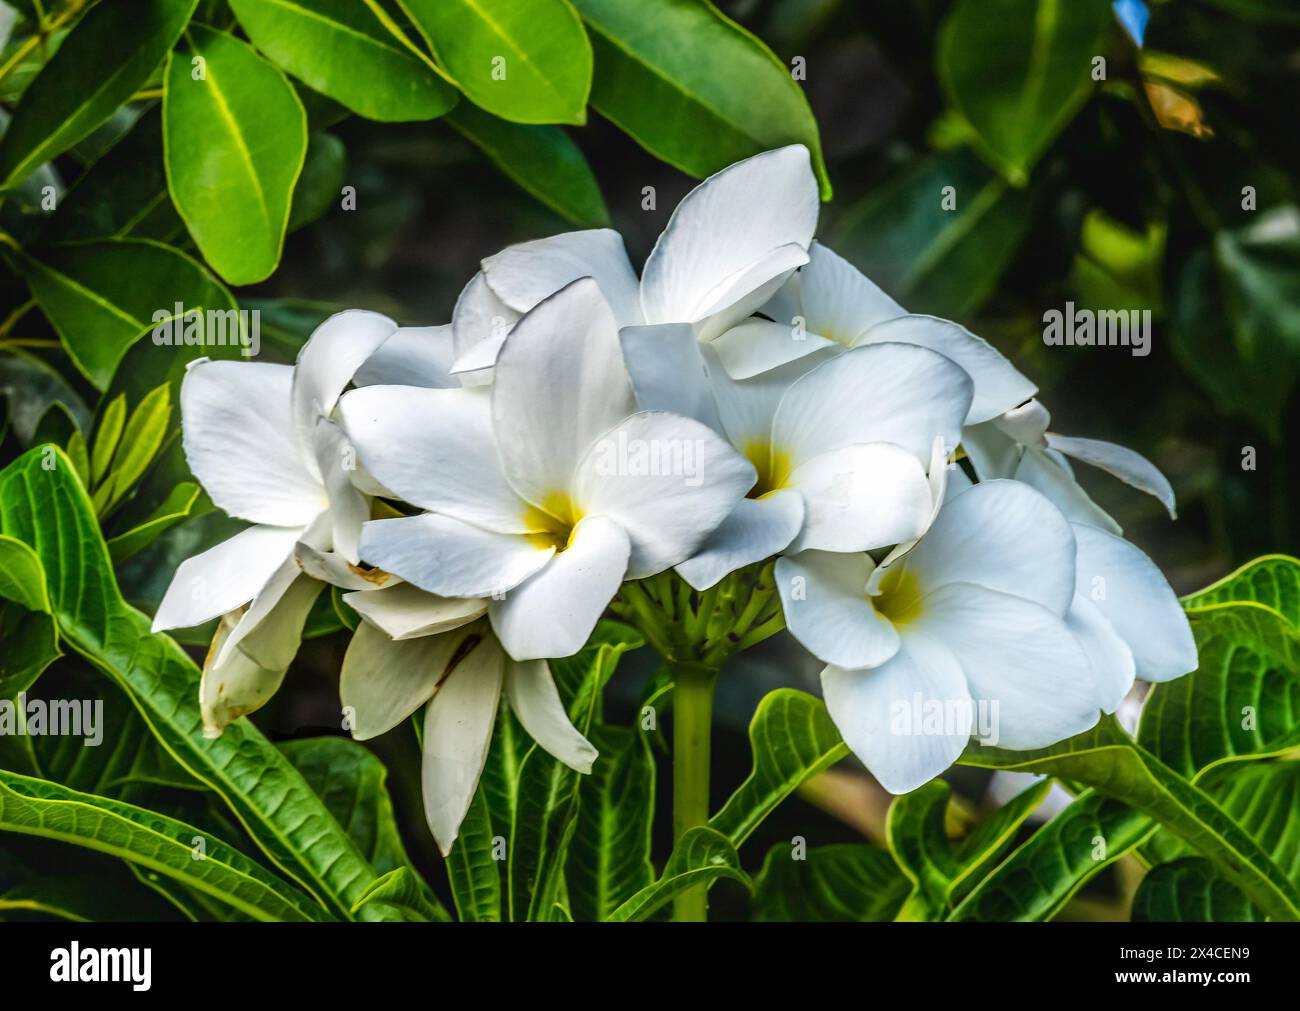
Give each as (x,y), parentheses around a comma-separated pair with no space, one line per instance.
(1126,155)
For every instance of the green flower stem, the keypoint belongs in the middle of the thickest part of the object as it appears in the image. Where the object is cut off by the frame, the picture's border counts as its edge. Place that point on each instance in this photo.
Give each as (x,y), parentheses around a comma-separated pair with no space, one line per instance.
(692,727)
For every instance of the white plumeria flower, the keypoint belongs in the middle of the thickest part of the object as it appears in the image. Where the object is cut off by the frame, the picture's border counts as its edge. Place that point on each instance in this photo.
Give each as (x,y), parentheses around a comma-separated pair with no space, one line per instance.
(413,648)
(1018,445)
(966,633)
(829,306)
(259,439)
(730,243)
(547,489)
(841,445)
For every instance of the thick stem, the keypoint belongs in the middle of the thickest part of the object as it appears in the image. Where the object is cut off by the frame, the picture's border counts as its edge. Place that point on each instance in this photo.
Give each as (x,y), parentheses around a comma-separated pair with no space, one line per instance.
(692,724)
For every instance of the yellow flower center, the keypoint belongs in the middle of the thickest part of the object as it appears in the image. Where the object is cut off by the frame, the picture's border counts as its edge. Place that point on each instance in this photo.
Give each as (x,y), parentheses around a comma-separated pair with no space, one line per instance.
(899,597)
(552,525)
(773,465)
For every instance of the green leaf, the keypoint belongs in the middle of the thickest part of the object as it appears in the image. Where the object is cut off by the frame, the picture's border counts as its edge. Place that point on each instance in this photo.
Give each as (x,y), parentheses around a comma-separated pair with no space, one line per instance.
(404,894)
(123,194)
(543,160)
(1108,760)
(694,88)
(524,60)
(102,295)
(915,828)
(48,510)
(844,883)
(22,577)
(609,857)
(471,867)
(1018,71)
(110,53)
(1242,701)
(179,505)
(932,259)
(235,139)
(321,183)
(701,856)
(35,807)
(992,837)
(107,434)
(1189,891)
(1039,878)
(791,737)
(350,780)
(145,432)
(27,629)
(339,48)
(30,389)
(1271,580)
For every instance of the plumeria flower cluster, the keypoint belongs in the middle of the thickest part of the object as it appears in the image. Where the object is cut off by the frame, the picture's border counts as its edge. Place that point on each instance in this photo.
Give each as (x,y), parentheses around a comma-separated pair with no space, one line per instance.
(748,407)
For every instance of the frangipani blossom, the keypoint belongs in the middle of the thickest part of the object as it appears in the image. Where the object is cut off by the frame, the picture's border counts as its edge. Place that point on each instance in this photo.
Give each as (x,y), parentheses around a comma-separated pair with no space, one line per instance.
(841,445)
(260,440)
(413,648)
(970,625)
(1017,444)
(730,243)
(829,307)
(532,499)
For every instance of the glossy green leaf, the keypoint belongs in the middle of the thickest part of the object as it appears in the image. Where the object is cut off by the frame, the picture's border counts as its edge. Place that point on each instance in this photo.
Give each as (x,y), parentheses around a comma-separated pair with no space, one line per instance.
(844,883)
(82,899)
(932,259)
(179,505)
(1039,878)
(102,295)
(48,510)
(474,872)
(1018,71)
(791,738)
(1271,580)
(234,138)
(1105,758)
(693,87)
(1243,700)
(35,807)
(30,389)
(107,434)
(27,629)
(339,48)
(524,60)
(543,160)
(920,845)
(992,838)
(609,857)
(145,433)
(321,184)
(1189,891)
(402,892)
(110,53)
(701,856)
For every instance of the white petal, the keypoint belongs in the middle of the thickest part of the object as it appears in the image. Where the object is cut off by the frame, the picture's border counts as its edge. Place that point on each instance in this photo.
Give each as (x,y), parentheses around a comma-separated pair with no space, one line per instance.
(992,452)
(758,345)
(534,699)
(240,442)
(729,222)
(349,506)
(525,274)
(553,613)
(741,294)
(224,577)
(413,356)
(385,680)
(667,481)
(824,596)
(403,611)
(1020,661)
(838,301)
(457,732)
(1118,461)
(331,567)
(1026,424)
(746,407)
(558,385)
(881,393)
(668,372)
(247,662)
(999,385)
(1048,476)
(754,530)
(328,361)
(907,720)
(941,490)
(1127,588)
(1002,535)
(860,498)
(1109,656)
(479,324)
(451,558)
(436,449)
